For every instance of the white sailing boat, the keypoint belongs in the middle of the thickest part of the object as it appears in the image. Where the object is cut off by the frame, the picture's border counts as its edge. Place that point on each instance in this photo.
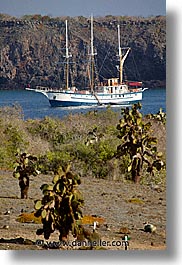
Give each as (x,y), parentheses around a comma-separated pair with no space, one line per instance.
(113,92)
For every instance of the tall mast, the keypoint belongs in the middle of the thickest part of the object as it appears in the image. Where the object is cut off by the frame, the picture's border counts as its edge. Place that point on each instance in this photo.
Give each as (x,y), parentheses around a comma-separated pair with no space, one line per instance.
(92,54)
(121,57)
(67,56)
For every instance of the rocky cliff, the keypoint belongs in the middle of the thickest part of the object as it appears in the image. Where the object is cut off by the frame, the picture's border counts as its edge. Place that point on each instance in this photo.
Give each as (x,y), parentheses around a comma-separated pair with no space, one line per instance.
(32,49)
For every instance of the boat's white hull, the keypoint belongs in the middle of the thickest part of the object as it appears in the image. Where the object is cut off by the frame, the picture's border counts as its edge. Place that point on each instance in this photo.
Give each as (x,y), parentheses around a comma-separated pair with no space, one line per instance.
(66,99)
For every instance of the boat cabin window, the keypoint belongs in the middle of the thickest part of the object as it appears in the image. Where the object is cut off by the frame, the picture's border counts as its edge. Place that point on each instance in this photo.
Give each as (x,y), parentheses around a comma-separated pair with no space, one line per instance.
(113,82)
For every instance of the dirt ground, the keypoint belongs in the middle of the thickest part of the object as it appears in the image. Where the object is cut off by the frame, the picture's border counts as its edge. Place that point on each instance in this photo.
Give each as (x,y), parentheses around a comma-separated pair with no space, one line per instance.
(124,206)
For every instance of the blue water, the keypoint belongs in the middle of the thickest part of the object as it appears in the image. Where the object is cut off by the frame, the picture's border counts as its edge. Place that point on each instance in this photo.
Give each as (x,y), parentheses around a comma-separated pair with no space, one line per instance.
(36,105)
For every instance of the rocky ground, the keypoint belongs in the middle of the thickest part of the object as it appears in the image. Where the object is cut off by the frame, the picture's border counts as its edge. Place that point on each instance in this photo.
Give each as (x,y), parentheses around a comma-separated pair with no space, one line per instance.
(124,206)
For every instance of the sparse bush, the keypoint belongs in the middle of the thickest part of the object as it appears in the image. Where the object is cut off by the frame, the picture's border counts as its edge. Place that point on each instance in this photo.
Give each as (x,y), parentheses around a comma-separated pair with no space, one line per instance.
(15,139)
(48,129)
(50,161)
(12,135)
(95,155)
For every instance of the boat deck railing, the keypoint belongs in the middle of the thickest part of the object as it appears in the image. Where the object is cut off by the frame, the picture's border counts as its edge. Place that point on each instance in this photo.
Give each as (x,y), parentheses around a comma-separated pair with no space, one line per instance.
(47,89)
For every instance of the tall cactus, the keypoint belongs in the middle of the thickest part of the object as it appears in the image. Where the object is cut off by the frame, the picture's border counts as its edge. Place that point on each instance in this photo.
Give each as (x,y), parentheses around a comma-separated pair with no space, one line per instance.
(25,166)
(137,141)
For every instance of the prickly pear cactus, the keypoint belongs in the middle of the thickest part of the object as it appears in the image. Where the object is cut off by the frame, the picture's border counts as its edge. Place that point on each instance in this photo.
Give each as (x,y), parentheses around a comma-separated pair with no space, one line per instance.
(93,137)
(60,207)
(137,141)
(160,116)
(25,166)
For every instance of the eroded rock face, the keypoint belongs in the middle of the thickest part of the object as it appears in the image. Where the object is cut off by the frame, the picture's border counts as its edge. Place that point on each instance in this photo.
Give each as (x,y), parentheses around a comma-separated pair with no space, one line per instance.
(33,49)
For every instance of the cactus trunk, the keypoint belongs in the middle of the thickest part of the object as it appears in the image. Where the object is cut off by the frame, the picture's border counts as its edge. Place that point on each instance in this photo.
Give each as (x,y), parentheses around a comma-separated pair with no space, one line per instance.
(136,178)
(24,186)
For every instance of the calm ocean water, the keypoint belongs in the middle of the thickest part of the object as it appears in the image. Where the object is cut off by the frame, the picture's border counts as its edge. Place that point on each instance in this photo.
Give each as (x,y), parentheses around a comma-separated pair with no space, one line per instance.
(36,105)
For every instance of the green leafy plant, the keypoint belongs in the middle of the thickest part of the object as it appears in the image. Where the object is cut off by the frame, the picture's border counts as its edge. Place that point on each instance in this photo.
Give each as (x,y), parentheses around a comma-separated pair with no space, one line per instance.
(137,142)
(25,166)
(60,207)
(12,138)
(50,161)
